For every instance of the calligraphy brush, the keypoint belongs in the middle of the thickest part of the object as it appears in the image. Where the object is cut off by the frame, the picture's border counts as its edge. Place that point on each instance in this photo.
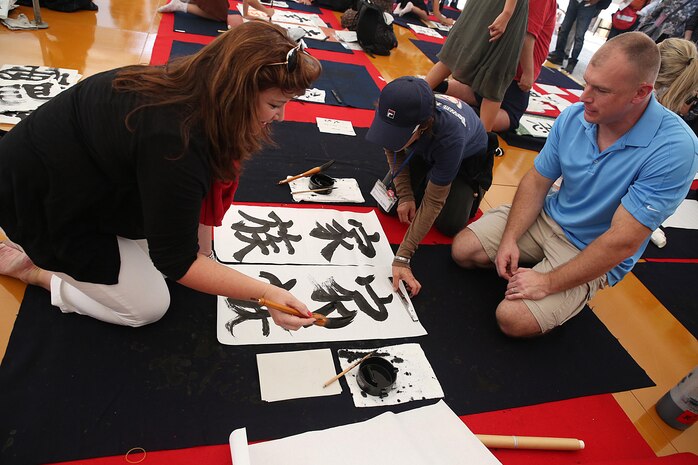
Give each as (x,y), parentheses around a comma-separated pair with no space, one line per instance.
(322,189)
(320,319)
(310,172)
(348,369)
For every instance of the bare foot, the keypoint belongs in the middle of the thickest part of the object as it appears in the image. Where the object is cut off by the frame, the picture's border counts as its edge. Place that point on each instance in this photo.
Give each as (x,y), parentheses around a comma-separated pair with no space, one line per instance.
(15,263)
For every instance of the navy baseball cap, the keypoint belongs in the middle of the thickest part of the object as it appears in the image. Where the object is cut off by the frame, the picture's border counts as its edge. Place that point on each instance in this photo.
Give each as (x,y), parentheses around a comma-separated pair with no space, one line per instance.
(403,105)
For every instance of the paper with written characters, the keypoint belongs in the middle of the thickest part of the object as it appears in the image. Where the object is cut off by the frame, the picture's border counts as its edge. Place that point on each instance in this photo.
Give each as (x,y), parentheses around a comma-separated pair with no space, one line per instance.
(365,292)
(297,374)
(335,126)
(536,126)
(304,236)
(415,379)
(425,31)
(427,435)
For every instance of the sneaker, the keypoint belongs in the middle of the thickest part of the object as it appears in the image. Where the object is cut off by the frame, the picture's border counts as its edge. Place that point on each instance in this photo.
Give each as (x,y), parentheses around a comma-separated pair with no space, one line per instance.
(569,67)
(555,59)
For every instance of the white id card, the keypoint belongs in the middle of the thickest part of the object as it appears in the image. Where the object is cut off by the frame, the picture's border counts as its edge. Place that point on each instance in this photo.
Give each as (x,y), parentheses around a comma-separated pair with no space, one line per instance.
(385,198)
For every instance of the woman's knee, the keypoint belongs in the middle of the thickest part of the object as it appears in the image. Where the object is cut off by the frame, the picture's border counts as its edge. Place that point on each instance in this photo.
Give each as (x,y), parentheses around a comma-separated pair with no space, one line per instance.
(150,310)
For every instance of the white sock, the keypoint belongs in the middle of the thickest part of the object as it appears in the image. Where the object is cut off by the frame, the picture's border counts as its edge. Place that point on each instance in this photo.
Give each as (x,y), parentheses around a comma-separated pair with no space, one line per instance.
(397,10)
(174,5)
(406,9)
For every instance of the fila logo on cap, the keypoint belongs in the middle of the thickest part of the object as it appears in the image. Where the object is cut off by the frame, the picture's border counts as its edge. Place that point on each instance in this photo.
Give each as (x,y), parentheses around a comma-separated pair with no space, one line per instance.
(390,114)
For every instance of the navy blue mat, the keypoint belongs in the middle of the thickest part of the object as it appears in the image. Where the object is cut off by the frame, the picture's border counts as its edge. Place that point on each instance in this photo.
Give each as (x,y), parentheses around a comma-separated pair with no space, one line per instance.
(555,77)
(326,45)
(430,49)
(347,85)
(74,388)
(675,285)
(301,146)
(192,24)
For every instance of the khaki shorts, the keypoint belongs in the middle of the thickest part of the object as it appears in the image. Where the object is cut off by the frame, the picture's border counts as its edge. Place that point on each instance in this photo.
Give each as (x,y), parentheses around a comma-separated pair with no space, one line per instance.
(546,247)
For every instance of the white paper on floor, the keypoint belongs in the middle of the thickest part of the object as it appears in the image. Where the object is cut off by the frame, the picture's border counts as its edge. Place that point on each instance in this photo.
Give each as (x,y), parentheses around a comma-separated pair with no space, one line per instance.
(295,375)
(685,216)
(345,190)
(427,435)
(363,291)
(415,379)
(302,236)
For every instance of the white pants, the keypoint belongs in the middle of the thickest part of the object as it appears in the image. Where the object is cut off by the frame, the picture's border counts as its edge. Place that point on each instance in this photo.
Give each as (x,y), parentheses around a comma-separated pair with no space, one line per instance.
(140,296)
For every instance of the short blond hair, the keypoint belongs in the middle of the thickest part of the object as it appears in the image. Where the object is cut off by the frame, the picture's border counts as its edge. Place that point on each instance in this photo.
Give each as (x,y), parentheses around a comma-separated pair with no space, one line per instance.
(641,51)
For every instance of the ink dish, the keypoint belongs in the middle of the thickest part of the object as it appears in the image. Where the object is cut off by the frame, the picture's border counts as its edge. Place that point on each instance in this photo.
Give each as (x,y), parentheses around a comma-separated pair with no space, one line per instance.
(376,376)
(321,183)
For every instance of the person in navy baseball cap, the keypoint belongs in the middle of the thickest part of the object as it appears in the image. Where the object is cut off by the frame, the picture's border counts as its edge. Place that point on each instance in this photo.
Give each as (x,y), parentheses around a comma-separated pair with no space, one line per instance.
(404,105)
(439,180)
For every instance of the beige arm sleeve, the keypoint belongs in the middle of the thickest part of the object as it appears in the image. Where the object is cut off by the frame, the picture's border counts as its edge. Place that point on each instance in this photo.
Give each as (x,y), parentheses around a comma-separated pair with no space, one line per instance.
(403,184)
(432,203)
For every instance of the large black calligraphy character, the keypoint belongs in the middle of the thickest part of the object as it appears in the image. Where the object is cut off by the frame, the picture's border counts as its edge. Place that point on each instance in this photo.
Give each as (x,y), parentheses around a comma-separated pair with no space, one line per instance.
(249,311)
(330,291)
(339,235)
(260,235)
(34,74)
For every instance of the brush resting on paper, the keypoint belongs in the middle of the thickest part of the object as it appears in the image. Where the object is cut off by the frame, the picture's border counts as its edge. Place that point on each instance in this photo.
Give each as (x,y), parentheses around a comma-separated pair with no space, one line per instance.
(310,172)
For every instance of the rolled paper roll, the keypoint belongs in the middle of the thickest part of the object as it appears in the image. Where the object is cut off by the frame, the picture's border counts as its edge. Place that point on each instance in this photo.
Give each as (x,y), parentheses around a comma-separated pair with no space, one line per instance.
(530,442)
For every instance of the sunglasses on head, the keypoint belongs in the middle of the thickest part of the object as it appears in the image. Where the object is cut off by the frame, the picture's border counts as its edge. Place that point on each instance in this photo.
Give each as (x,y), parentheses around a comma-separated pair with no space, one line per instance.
(292,58)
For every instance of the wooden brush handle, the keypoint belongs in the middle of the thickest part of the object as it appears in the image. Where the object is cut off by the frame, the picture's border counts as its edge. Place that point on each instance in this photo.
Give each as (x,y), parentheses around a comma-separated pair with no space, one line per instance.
(310,172)
(280,307)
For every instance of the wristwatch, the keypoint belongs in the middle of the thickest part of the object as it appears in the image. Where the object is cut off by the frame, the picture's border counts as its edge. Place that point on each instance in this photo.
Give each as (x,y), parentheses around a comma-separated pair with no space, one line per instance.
(402,259)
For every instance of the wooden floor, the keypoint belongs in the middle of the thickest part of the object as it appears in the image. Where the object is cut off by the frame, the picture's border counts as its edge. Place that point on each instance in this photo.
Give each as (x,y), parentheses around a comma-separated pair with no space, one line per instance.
(123,31)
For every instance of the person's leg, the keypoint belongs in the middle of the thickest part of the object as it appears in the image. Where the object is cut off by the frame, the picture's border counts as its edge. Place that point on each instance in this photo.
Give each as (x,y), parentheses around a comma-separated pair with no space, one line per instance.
(476,245)
(462,91)
(570,16)
(584,17)
(140,297)
(489,109)
(455,213)
(16,264)
(526,318)
(437,74)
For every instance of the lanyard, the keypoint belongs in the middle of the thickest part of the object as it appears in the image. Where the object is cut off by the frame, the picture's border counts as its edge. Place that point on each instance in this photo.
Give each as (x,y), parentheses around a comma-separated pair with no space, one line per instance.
(390,177)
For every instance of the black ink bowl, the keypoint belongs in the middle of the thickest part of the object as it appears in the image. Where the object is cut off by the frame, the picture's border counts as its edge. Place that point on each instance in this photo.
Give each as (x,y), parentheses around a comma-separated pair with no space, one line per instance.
(321,181)
(376,376)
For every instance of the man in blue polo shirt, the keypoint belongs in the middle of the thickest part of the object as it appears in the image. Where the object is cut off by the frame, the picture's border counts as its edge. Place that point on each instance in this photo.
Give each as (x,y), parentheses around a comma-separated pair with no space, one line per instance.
(626,164)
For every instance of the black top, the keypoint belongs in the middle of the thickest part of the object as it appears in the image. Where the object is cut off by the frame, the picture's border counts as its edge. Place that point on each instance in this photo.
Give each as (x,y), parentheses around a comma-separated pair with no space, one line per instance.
(73,177)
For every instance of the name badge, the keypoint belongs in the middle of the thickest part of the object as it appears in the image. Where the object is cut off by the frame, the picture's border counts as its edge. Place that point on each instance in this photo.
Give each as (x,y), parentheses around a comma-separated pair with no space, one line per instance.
(386,198)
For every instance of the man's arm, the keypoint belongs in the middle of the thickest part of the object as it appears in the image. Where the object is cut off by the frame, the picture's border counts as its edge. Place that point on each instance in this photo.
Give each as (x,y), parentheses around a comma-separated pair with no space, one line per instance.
(526,61)
(621,241)
(527,204)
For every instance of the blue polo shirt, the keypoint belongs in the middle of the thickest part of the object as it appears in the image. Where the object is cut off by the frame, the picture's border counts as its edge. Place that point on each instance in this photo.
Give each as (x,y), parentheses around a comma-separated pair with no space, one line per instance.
(648,170)
(457,134)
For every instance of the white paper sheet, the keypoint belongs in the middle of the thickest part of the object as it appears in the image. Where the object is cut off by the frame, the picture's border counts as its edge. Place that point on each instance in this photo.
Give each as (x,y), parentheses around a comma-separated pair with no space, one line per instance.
(365,291)
(310,31)
(577,92)
(346,36)
(346,190)
(552,89)
(415,378)
(427,435)
(295,375)
(335,126)
(303,236)
(425,31)
(685,216)
(557,101)
(313,95)
(536,126)
(27,87)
